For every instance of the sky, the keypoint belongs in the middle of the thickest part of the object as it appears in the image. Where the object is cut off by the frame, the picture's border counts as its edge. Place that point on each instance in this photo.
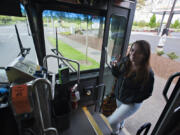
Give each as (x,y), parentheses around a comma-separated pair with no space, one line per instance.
(157,5)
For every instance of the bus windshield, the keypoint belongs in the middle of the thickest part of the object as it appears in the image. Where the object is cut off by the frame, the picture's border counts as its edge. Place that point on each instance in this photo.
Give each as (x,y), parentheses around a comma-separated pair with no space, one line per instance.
(79,37)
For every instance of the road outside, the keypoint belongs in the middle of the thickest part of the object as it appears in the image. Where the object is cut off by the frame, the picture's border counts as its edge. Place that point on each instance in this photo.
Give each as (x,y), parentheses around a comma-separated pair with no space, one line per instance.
(9,46)
(172,43)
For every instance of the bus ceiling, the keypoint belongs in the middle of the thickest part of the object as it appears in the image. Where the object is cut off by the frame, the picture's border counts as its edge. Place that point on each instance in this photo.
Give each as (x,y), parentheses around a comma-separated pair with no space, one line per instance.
(10,7)
(93,7)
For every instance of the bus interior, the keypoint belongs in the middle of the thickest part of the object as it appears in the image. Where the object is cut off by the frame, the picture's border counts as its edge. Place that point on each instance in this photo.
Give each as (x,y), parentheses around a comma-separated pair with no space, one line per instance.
(60,92)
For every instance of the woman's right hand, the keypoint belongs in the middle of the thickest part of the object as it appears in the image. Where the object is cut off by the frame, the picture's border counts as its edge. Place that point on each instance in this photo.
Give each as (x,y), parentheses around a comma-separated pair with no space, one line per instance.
(114,63)
(115,60)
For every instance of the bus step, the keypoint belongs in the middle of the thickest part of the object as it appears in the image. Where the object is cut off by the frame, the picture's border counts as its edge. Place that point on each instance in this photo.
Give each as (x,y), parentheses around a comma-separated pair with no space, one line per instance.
(98,122)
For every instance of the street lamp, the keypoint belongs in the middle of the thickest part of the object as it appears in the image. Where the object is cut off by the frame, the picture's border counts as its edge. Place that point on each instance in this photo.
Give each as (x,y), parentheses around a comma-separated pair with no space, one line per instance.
(161,43)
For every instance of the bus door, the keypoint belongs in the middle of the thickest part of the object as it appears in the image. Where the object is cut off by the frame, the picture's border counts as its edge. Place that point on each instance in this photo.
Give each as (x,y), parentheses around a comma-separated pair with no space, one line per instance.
(80,38)
(169,121)
(79,32)
(118,26)
(75,35)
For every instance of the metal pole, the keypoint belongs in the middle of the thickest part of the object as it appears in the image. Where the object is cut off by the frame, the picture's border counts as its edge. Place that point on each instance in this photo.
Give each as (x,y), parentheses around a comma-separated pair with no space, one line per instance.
(87,41)
(57,47)
(165,31)
(161,22)
(63,58)
(170,18)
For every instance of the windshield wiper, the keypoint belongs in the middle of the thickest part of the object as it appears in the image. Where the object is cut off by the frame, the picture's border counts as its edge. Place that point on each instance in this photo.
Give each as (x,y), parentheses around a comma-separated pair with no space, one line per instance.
(23,51)
(58,53)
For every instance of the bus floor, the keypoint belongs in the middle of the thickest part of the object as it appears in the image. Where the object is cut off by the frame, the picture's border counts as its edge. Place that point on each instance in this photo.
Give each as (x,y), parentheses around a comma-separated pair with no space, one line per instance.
(80,125)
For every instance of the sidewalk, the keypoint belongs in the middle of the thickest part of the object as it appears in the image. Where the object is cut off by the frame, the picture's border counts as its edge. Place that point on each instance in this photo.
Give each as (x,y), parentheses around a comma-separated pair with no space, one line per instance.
(144,33)
(175,35)
(92,53)
(150,110)
(171,44)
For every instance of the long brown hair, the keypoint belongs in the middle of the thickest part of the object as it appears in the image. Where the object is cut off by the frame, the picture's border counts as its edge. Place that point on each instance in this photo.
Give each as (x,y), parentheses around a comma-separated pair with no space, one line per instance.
(142,73)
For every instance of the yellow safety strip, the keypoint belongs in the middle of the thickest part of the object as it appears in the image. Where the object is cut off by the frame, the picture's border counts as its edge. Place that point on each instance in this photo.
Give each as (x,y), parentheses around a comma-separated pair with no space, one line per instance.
(92,121)
(106,121)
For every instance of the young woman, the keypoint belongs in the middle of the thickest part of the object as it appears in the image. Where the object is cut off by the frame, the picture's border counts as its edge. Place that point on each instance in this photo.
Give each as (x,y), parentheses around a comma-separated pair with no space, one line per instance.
(135,80)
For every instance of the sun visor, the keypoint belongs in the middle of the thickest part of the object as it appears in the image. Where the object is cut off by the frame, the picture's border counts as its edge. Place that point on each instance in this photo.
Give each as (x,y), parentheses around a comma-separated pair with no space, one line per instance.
(10,7)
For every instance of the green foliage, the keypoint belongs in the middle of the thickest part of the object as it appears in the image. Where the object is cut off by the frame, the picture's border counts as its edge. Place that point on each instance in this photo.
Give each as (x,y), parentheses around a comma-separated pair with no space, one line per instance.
(158,24)
(65,33)
(78,32)
(135,23)
(177,30)
(78,21)
(172,55)
(140,24)
(71,53)
(64,26)
(176,24)
(152,22)
(7,20)
(160,53)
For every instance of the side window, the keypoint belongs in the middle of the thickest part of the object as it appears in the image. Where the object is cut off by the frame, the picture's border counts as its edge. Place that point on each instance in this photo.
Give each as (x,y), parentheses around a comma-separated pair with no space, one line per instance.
(114,47)
(116,36)
(9,45)
(79,38)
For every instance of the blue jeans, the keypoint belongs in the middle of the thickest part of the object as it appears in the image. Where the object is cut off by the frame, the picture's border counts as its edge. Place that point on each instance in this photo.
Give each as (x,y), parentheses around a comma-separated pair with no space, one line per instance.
(122,112)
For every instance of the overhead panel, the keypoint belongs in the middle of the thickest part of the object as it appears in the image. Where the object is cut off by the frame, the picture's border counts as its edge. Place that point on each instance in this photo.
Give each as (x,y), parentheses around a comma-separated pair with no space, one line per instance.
(10,7)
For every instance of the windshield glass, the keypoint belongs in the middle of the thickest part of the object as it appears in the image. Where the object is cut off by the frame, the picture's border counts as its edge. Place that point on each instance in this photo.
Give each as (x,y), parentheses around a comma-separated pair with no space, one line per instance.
(116,37)
(114,48)
(9,46)
(79,38)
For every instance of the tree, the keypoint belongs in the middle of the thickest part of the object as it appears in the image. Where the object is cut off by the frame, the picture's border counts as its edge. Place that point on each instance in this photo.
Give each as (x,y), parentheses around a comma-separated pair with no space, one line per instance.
(5,19)
(100,32)
(152,22)
(78,21)
(176,24)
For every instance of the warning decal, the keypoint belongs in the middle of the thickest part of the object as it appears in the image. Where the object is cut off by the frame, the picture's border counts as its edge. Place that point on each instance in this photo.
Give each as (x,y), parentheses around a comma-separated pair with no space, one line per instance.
(20,99)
